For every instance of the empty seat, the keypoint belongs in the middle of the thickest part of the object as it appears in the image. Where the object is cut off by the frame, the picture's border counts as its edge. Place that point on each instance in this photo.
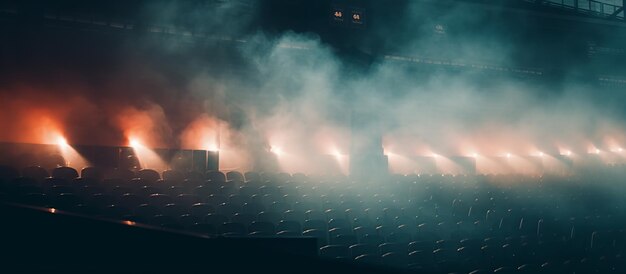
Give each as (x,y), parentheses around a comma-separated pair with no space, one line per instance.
(173,175)
(121,174)
(289,226)
(421,258)
(58,189)
(320,235)
(215,219)
(147,211)
(174,210)
(27,188)
(442,254)
(286,233)
(266,228)
(24,181)
(187,200)
(216,200)
(203,228)
(64,172)
(232,229)
(164,221)
(362,249)
(149,175)
(8,172)
(248,190)
(505,270)
(528,268)
(228,190)
(188,220)
(243,218)
(234,176)
(85,181)
(343,239)
(66,201)
(160,199)
(101,200)
(51,181)
(130,200)
(279,207)
(193,175)
(333,213)
(228,209)
(528,225)
(201,209)
(361,231)
(114,211)
(215,177)
(35,172)
(315,224)
(372,239)
(370,259)
(335,251)
(479,271)
(201,191)
(314,215)
(252,208)
(393,247)
(399,237)
(252,176)
(339,223)
(268,216)
(393,259)
(35,199)
(294,215)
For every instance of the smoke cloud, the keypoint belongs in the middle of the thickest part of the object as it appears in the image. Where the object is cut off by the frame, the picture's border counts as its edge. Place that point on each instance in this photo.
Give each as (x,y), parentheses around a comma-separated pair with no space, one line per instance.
(434,89)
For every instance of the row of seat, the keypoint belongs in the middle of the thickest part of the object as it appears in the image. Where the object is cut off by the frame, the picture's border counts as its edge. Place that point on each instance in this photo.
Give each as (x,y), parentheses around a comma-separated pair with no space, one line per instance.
(414,221)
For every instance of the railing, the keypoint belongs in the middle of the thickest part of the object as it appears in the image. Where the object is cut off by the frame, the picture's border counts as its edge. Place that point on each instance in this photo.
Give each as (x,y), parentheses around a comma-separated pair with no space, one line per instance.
(588,6)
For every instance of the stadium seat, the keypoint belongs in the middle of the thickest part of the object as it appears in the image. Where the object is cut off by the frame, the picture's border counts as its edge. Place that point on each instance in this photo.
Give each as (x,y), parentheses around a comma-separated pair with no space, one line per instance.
(252,208)
(35,172)
(203,228)
(228,209)
(216,200)
(174,210)
(164,221)
(343,239)
(243,218)
(215,219)
(8,172)
(173,175)
(215,177)
(293,226)
(201,209)
(66,173)
(396,260)
(147,211)
(36,199)
(269,216)
(335,251)
(188,221)
(159,200)
(234,176)
(395,247)
(129,200)
(369,259)
(372,239)
(363,249)
(149,175)
(320,235)
(232,229)
(266,228)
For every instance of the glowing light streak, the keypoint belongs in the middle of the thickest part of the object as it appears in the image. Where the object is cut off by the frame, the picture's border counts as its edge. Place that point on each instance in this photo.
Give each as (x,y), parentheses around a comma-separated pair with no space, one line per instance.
(276,150)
